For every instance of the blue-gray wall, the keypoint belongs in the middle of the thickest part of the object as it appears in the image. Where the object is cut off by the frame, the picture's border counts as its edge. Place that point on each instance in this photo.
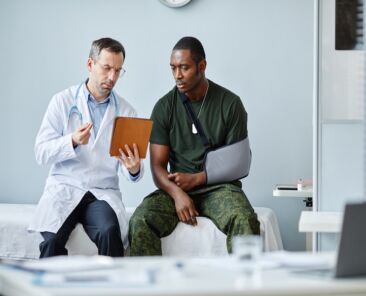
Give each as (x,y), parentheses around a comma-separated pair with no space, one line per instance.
(262,50)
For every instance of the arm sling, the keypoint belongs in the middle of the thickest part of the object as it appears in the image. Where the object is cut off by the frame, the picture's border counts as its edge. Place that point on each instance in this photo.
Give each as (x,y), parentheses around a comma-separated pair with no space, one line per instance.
(226,163)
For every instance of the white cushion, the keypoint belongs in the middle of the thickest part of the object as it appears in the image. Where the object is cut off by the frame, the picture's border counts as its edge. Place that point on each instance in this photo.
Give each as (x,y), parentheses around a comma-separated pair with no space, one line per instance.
(205,239)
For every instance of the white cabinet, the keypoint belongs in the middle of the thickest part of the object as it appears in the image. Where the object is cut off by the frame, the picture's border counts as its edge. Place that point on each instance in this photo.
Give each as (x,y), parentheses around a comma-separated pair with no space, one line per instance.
(339,129)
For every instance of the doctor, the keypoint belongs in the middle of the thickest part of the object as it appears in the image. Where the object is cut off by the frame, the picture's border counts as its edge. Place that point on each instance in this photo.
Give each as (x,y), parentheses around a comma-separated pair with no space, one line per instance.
(74,138)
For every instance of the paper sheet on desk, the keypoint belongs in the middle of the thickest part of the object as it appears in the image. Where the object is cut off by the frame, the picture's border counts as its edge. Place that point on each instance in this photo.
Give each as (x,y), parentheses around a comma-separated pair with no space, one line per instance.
(228,263)
(95,278)
(300,259)
(72,271)
(271,260)
(68,264)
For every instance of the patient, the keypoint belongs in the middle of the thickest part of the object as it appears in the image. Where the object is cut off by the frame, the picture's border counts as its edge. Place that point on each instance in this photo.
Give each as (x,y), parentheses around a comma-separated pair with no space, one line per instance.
(183,192)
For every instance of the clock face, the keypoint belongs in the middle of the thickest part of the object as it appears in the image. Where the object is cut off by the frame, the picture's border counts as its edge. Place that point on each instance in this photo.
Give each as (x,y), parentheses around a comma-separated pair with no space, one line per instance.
(175,3)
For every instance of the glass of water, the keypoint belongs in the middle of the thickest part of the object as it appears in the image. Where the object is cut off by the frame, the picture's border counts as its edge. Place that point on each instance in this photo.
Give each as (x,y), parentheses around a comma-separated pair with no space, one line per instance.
(247,250)
(247,247)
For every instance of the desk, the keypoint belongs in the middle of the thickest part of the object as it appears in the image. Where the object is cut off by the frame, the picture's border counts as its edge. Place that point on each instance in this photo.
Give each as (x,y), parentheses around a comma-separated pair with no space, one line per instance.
(314,222)
(320,221)
(307,194)
(198,277)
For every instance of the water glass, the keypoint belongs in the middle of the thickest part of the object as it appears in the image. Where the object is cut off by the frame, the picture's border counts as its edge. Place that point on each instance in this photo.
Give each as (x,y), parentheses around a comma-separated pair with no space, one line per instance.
(247,250)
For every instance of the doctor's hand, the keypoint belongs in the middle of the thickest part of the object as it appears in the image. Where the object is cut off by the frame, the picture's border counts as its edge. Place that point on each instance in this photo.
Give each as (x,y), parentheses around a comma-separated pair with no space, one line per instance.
(132,160)
(81,135)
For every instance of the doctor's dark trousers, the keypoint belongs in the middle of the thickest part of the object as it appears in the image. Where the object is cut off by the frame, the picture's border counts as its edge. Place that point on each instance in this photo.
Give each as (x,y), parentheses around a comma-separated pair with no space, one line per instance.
(100,223)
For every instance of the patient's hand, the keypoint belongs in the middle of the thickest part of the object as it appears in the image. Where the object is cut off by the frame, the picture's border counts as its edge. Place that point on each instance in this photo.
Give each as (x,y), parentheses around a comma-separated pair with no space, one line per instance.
(188,181)
(185,208)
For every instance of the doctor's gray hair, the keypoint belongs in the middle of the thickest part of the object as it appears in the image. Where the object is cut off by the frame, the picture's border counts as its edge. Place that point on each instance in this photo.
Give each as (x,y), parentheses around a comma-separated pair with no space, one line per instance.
(108,44)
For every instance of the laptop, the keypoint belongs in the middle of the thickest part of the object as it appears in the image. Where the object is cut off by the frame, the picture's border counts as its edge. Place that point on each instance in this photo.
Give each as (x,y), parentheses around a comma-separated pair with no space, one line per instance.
(351,257)
(351,254)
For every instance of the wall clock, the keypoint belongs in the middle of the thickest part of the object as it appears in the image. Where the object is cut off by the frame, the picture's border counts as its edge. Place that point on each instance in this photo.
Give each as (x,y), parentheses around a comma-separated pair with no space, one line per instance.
(175,3)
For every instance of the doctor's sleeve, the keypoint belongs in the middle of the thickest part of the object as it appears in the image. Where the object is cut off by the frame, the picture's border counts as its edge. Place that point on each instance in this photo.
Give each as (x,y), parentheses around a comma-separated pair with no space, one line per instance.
(51,145)
(129,177)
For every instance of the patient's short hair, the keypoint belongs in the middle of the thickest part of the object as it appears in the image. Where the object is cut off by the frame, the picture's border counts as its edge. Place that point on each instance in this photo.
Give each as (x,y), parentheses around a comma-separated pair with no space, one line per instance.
(107,44)
(194,45)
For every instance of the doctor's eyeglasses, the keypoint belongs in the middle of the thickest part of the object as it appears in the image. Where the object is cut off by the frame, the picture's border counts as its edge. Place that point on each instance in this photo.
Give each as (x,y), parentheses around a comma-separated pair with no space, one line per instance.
(107,68)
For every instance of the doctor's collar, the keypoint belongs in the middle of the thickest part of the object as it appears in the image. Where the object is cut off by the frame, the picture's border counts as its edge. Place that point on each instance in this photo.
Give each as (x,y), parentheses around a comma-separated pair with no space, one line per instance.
(90,97)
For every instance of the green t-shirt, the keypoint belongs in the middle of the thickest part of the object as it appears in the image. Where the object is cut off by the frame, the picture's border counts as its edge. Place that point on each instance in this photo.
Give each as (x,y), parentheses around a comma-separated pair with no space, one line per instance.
(223,119)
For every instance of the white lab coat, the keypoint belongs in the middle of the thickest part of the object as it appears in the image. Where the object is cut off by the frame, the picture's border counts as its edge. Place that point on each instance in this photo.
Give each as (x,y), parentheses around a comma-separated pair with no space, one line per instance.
(76,171)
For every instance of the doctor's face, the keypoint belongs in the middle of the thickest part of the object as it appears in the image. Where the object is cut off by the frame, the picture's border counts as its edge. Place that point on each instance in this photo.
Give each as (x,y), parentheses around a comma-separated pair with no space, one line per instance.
(104,73)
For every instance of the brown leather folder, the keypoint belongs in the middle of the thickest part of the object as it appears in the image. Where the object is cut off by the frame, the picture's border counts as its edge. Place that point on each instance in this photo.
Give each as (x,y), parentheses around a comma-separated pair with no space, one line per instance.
(129,130)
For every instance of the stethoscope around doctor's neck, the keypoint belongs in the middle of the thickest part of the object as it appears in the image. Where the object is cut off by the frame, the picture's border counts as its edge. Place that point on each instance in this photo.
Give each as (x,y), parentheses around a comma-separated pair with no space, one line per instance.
(75,110)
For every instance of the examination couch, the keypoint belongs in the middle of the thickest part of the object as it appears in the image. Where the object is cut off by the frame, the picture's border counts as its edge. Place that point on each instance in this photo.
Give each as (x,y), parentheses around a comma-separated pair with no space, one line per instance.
(204,240)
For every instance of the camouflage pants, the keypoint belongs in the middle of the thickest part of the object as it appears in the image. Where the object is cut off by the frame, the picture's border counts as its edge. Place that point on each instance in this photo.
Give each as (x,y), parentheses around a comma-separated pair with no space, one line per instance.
(225,204)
